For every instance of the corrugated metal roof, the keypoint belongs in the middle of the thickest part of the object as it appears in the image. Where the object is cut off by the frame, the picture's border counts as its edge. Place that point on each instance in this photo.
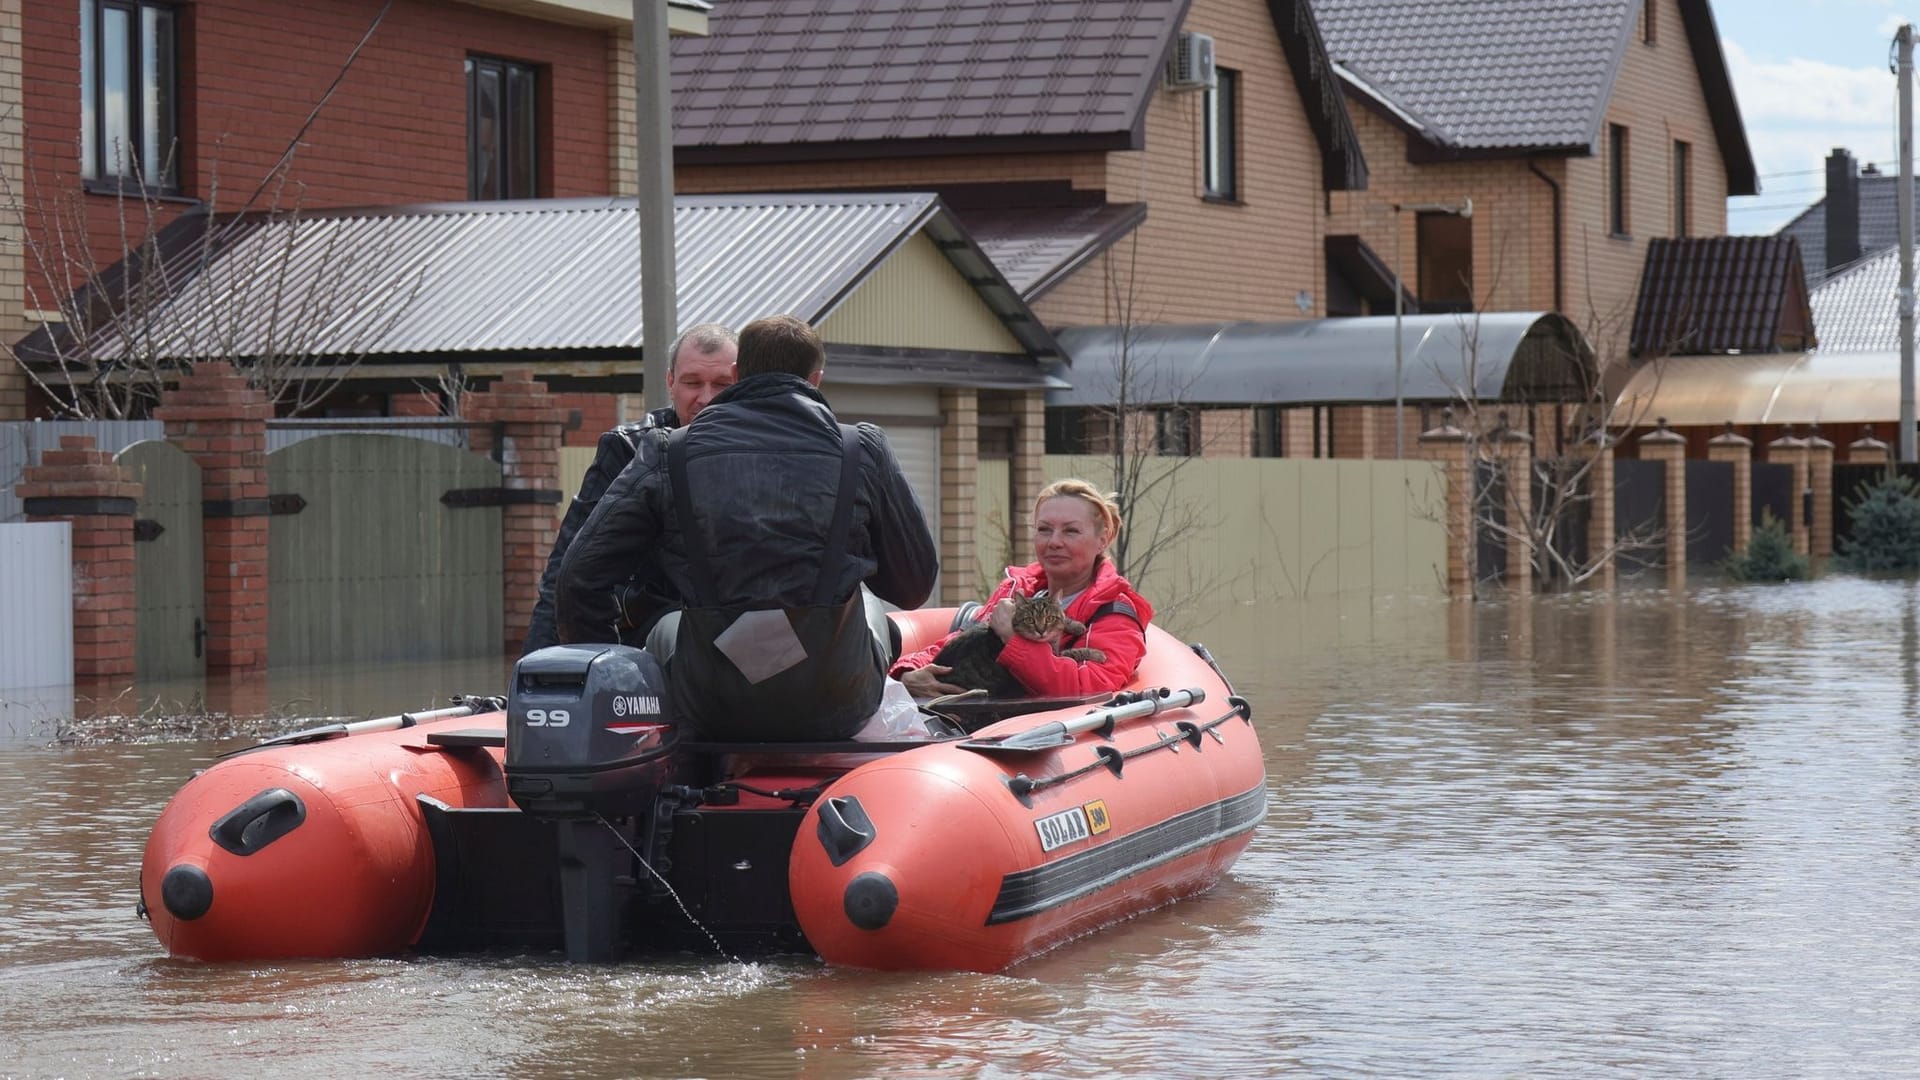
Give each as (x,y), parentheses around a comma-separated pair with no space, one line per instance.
(543,275)
(1858,310)
(1502,355)
(1713,294)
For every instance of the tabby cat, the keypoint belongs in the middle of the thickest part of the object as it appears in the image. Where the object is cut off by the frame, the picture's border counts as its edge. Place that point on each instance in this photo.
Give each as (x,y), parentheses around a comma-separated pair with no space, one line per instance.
(974,656)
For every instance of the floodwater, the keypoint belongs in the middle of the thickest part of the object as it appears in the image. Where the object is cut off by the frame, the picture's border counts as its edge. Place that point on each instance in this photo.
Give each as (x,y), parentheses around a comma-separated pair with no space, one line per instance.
(1634,835)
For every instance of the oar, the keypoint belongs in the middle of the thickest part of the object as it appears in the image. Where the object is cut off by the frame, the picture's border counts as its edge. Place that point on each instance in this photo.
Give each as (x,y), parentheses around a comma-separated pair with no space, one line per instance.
(379,723)
(1058,733)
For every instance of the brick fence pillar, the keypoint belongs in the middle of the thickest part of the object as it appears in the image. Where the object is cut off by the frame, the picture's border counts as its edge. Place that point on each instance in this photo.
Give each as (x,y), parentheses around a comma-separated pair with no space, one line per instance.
(83,486)
(1598,447)
(1790,449)
(959,484)
(1820,481)
(1448,446)
(530,423)
(1666,445)
(221,423)
(1028,468)
(1867,450)
(1515,450)
(1737,450)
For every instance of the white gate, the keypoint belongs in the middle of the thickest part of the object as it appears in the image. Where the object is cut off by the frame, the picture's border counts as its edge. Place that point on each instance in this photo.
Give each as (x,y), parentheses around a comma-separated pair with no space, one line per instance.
(36,604)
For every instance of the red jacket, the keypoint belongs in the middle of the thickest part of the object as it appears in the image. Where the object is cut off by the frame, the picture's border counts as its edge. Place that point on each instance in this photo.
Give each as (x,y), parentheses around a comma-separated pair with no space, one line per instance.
(1033,662)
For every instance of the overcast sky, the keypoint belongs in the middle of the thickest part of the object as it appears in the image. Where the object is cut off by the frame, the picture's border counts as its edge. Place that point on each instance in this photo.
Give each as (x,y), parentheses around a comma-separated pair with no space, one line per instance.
(1810,75)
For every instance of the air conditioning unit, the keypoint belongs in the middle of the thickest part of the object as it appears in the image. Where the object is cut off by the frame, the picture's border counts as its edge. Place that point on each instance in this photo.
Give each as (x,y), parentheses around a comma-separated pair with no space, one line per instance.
(1191,65)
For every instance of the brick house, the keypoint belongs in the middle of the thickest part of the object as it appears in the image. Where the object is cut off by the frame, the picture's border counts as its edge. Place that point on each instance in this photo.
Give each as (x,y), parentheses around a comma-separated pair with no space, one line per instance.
(1268,198)
(1580,130)
(222,91)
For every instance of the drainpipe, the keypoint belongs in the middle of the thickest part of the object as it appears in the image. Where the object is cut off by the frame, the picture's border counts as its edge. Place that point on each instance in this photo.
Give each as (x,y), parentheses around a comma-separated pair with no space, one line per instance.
(1559,302)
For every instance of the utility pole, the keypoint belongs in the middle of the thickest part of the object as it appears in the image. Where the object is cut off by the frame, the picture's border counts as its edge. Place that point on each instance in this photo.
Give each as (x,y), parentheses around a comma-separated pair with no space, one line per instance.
(653,122)
(1904,193)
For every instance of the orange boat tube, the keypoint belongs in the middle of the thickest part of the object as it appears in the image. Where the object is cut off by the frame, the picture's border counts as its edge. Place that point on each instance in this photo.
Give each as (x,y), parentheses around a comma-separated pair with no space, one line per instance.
(310,849)
(980,853)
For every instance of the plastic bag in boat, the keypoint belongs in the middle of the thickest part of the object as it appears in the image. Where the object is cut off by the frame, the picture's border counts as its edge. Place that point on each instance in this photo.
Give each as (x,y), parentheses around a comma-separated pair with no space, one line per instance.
(897,718)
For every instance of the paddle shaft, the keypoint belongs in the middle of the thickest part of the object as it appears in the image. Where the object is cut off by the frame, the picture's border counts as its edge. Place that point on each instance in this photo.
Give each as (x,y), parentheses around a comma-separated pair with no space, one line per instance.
(400,720)
(1112,714)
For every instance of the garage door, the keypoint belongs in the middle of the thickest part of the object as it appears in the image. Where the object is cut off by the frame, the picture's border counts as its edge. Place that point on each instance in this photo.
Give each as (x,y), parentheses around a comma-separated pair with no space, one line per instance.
(918,449)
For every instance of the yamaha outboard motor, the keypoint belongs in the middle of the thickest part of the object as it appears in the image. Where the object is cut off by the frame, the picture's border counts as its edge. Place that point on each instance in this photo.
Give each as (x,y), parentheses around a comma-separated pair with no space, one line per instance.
(588,743)
(586,732)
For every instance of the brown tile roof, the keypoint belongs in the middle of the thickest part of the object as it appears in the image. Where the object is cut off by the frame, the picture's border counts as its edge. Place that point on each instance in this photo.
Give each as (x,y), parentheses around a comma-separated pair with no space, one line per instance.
(779,80)
(1494,77)
(1037,248)
(1716,294)
(872,71)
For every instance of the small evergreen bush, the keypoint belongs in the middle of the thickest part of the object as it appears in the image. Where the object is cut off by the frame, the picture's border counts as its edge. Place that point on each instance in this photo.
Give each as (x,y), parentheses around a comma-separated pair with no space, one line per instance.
(1886,529)
(1769,556)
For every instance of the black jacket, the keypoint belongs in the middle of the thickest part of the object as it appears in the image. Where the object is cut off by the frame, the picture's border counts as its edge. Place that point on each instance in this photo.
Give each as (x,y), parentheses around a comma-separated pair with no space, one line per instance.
(763,463)
(643,600)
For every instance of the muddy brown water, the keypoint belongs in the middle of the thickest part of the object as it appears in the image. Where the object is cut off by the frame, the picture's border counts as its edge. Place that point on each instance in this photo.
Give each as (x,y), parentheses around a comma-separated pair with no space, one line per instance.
(1631,835)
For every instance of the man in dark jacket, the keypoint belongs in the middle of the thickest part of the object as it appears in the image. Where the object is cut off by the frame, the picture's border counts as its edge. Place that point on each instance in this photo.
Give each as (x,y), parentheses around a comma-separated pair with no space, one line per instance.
(768,515)
(699,366)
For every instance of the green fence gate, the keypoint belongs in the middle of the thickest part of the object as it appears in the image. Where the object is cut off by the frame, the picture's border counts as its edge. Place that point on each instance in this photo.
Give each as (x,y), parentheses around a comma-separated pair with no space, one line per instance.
(390,552)
(168,562)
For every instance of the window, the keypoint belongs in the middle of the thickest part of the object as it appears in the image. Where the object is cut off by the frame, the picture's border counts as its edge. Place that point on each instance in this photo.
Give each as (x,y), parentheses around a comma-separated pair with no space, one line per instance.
(1269,432)
(1647,21)
(1445,251)
(502,133)
(1176,431)
(1617,180)
(1220,142)
(1067,430)
(127,118)
(1682,186)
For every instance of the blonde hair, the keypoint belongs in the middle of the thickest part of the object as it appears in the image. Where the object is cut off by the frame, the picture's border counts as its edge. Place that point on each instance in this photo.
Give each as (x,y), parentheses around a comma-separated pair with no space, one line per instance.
(1105,507)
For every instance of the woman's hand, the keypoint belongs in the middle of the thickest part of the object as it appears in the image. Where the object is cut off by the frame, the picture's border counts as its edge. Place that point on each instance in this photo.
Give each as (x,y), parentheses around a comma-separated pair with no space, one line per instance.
(1000,620)
(925,681)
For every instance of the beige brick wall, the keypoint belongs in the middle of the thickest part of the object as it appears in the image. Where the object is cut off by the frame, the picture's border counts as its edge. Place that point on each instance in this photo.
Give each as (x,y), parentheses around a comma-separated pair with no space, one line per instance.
(1198,260)
(623,170)
(1659,100)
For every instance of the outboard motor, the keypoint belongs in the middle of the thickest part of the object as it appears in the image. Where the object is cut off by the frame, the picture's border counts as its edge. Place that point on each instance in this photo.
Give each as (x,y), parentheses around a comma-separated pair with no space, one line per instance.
(588,739)
(586,732)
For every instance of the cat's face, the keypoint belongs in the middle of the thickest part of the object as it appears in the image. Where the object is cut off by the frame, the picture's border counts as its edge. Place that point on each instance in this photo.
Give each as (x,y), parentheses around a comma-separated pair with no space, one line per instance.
(1039,618)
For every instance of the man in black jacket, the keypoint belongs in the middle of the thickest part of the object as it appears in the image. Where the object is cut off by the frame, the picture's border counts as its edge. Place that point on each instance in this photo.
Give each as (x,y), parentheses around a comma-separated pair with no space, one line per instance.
(699,366)
(768,515)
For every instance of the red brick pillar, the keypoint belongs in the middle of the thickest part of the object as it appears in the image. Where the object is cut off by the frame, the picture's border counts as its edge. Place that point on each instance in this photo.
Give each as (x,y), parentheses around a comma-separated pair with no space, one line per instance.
(1515,450)
(530,423)
(83,486)
(1600,524)
(221,422)
(1867,450)
(1737,450)
(1790,449)
(1448,446)
(1666,445)
(1820,481)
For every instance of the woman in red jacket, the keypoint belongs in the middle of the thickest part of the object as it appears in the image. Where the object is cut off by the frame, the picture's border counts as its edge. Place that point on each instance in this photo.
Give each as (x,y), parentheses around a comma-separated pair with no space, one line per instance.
(1072,526)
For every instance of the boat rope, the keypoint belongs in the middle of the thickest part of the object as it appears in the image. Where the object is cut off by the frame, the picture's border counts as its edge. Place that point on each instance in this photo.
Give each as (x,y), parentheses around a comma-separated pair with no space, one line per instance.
(1114,760)
(797,796)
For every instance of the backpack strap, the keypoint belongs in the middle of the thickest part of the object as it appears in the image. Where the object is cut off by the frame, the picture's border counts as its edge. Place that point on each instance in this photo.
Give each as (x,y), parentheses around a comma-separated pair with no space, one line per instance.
(698,568)
(836,554)
(1112,607)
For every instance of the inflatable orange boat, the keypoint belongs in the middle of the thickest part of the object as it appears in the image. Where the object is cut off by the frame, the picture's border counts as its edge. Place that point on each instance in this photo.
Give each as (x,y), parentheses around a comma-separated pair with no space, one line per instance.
(575,816)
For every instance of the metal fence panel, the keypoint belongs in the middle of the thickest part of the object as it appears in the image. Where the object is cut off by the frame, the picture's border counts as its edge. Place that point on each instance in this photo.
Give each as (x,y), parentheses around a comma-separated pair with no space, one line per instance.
(376,566)
(1489,517)
(1850,483)
(1640,513)
(1562,501)
(1709,511)
(21,442)
(36,604)
(169,564)
(1772,493)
